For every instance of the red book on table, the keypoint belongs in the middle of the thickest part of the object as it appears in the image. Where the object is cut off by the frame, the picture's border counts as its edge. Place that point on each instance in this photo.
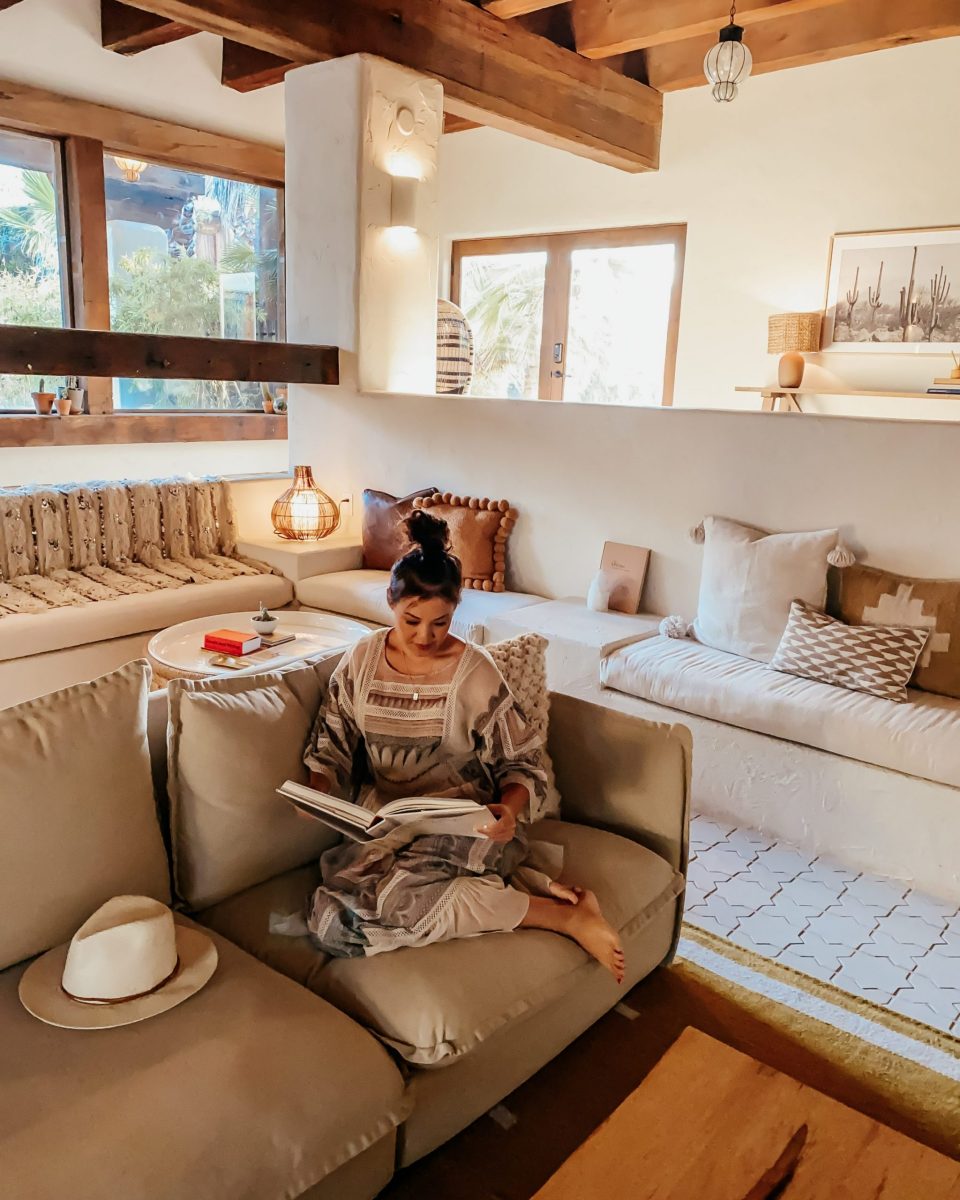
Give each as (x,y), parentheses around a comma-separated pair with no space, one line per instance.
(231,641)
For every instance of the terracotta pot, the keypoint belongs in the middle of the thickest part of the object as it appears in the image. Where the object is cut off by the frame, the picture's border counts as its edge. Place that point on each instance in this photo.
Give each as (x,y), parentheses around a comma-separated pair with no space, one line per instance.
(43,402)
(267,405)
(64,403)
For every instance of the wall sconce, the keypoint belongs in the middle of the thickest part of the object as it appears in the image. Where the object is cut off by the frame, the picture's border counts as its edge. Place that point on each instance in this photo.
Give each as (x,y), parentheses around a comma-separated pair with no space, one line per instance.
(130,168)
(404,198)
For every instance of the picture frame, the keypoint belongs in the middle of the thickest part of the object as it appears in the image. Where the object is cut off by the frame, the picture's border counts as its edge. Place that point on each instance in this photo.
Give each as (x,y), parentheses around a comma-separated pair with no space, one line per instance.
(894,292)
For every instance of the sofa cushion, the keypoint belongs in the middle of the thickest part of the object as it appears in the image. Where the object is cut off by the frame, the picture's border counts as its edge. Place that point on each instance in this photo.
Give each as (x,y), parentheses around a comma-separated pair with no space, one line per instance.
(479,530)
(253,1089)
(363,594)
(434,1004)
(76,809)
(921,737)
(58,628)
(232,741)
(384,537)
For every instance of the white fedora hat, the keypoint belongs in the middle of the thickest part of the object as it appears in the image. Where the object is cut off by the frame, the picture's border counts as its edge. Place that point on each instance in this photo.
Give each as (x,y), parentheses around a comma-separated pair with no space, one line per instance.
(127,962)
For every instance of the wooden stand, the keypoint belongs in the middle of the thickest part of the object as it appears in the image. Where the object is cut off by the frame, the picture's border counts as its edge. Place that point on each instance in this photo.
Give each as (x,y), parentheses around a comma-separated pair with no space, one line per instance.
(783,399)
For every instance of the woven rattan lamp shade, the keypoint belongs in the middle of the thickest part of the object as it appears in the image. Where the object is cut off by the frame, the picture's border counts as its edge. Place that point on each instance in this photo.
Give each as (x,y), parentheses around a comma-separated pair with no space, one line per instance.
(304,513)
(793,331)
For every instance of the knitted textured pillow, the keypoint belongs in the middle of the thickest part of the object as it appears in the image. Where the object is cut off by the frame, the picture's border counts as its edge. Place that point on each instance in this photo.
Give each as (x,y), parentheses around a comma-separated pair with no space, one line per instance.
(877,659)
(522,662)
(478,536)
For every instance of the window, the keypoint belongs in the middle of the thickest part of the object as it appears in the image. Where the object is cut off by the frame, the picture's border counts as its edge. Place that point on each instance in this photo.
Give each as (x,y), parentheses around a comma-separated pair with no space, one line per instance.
(588,318)
(195,255)
(31,246)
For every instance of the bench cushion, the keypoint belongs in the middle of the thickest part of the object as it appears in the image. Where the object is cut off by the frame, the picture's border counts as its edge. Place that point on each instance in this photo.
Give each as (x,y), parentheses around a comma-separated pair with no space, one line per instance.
(39,633)
(253,1089)
(363,594)
(921,737)
(434,1004)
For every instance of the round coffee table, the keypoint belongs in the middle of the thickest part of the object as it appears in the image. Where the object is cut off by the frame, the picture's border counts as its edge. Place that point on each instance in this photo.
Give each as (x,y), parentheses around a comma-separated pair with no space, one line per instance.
(177,652)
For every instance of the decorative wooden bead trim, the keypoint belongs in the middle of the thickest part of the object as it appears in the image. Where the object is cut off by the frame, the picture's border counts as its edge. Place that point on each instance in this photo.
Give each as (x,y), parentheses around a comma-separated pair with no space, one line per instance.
(508,518)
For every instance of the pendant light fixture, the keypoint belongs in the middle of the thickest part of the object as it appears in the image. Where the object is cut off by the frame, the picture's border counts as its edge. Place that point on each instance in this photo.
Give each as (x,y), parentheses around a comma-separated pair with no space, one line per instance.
(728,63)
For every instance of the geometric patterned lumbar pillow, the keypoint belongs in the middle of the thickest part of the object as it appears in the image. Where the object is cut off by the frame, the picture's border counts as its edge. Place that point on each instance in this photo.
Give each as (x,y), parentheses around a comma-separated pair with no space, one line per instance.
(870,596)
(878,659)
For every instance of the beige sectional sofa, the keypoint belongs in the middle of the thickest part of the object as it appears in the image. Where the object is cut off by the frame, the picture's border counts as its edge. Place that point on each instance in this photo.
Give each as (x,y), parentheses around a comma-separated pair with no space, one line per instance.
(288,1074)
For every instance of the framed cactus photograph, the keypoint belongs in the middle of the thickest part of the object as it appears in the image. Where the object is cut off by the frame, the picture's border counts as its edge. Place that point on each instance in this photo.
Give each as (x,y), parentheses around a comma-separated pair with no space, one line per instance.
(894,292)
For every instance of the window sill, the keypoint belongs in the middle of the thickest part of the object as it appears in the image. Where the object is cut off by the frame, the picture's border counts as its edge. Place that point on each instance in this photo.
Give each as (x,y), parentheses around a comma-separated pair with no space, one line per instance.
(127,428)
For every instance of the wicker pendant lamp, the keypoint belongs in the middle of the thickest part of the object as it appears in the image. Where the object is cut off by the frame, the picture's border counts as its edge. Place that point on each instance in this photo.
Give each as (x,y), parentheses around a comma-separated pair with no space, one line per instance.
(304,513)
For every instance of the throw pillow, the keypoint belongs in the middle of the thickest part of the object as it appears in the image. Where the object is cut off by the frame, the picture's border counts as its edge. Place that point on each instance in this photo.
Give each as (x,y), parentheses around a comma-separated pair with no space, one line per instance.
(877,659)
(869,596)
(384,540)
(479,530)
(232,741)
(749,580)
(77,810)
(522,661)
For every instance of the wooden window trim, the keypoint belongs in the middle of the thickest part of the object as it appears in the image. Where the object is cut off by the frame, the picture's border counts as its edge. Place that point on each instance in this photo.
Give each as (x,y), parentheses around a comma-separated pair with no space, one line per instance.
(556,299)
(84,132)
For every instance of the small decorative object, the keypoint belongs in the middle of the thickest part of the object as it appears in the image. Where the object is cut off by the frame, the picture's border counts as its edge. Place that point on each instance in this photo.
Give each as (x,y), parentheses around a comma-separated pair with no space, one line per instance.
(304,513)
(74,393)
(280,399)
(130,168)
(266,400)
(43,401)
(598,594)
(64,403)
(627,568)
(674,627)
(894,292)
(454,350)
(791,335)
(728,63)
(264,622)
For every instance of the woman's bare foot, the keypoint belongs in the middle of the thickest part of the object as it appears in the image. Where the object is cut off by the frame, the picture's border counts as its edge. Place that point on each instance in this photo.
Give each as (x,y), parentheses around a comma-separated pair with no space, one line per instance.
(570,895)
(589,927)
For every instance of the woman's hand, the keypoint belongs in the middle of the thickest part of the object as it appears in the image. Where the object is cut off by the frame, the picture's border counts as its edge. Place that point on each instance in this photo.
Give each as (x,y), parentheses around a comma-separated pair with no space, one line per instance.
(504,828)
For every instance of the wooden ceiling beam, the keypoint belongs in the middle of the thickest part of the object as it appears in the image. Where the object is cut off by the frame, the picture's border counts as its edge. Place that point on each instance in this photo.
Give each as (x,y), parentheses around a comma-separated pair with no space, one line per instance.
(619,26)
(855,27)
(128,30)
(517,8)
(492,71)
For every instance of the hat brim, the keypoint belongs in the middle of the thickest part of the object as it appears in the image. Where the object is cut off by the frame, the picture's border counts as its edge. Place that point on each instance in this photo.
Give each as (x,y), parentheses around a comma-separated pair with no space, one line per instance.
(42,995)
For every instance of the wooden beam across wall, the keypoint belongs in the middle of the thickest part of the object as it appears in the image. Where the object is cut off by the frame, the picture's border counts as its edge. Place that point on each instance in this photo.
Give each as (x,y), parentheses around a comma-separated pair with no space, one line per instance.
(29,350)
(35,110)
(129,30)
(127,428)
(855,27)
(517,8)
(492,71)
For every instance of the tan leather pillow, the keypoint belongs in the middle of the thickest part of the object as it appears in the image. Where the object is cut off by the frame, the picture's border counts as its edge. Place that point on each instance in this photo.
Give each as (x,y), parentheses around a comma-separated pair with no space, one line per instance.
(384,539)
(479,530)
(77,810)
(869,596)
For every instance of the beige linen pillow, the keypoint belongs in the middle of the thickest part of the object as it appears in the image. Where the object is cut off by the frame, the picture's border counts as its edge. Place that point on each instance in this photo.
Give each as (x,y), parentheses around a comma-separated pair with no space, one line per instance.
(869,596)
(76,809)
(877,659)
(750,578)
(231,742)
(522,661)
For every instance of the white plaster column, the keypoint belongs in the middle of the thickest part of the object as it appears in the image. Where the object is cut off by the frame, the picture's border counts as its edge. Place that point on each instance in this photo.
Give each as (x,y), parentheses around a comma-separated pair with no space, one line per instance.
(354,126)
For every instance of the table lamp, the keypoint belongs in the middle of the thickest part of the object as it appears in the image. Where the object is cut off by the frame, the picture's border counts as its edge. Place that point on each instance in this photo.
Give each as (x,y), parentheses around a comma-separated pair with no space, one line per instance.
(304,513)
(791,335)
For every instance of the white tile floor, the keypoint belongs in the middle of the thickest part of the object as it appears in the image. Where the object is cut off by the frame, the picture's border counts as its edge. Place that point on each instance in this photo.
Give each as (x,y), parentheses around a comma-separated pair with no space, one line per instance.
(870,936)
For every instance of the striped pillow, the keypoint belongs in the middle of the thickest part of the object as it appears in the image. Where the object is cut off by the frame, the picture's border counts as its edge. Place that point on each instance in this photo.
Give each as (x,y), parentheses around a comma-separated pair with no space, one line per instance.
(877,659)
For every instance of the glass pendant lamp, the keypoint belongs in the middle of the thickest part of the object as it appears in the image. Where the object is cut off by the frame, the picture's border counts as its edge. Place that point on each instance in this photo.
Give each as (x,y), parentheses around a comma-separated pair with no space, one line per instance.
(728,63)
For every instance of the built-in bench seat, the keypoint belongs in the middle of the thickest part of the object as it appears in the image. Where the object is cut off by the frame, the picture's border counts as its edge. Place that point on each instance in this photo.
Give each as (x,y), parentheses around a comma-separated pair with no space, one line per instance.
(921,737)
(363,594)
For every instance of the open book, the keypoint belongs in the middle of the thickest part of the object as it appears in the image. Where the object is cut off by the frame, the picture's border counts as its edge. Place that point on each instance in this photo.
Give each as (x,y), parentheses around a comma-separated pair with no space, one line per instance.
(430,814)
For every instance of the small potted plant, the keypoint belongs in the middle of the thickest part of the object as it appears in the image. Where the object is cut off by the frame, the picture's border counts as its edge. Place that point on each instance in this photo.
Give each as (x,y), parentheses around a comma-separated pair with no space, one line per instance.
(70,397)
(266,399)
(43,400)
(265,623)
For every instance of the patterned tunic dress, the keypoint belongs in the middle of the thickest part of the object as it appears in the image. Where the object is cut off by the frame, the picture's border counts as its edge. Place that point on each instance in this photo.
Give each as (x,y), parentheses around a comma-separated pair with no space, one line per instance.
(381,736)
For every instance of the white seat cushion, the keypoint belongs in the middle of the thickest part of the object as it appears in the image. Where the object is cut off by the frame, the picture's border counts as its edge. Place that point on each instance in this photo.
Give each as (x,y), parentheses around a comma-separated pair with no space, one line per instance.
(40,633)
(921,737)
(363,594)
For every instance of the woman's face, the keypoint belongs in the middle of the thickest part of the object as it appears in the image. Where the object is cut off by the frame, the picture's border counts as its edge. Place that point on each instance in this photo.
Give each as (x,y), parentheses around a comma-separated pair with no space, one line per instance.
(422,624)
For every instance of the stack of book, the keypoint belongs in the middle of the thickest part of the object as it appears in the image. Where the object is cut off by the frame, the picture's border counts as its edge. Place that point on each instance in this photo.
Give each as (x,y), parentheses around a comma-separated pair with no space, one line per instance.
(944,387)
(231,641)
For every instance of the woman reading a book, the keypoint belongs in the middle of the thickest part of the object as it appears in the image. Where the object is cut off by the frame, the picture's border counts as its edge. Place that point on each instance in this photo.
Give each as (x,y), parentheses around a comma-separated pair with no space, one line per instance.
(414,711)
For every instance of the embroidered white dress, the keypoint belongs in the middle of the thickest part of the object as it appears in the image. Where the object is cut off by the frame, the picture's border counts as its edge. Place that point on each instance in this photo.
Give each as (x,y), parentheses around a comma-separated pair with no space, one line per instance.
(382,735)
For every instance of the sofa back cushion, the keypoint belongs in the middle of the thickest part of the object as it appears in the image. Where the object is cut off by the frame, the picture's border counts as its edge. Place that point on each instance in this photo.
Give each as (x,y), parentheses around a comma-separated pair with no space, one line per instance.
(384,538)
(749,580)
(231,742)
(77,810)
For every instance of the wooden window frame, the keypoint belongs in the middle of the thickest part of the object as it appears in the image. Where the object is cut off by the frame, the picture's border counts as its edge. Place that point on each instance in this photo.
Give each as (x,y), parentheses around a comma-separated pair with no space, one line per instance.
(559,248)
(82,133)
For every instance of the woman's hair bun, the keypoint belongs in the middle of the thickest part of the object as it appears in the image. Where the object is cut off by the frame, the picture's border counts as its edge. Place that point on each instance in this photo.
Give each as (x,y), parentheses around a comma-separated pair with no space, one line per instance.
(428,532)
